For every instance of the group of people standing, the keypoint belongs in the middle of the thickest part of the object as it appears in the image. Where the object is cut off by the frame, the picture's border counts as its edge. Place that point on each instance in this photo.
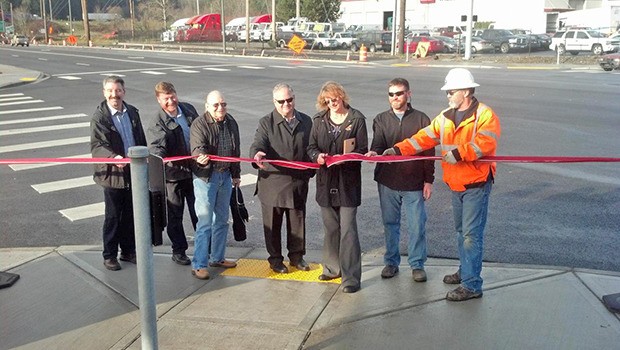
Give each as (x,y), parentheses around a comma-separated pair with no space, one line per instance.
(465,132)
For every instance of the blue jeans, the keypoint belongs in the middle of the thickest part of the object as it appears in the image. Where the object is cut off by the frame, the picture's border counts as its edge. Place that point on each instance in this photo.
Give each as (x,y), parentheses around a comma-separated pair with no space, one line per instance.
(212,210)
(391,203)
(470,217)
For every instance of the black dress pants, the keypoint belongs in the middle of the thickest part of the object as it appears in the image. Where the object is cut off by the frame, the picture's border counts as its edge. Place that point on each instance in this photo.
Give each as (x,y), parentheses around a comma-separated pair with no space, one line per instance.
(295,233)
(177,193)
(118,226)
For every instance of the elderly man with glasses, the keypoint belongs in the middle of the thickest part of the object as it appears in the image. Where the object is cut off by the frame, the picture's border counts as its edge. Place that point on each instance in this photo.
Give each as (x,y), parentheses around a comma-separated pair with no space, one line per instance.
(283,134)
(215,133)
(389,127)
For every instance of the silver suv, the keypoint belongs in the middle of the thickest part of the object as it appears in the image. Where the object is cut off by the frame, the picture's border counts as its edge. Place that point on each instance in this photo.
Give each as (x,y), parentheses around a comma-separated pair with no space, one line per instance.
(20,40)
(583,40)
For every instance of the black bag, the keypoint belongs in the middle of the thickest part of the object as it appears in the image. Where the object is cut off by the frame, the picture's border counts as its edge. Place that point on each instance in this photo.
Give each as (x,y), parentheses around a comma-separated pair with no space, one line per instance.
(239,214)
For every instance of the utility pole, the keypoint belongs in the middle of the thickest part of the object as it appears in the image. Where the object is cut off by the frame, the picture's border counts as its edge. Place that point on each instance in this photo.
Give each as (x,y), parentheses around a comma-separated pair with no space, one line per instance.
(394,14)
(297,9)
(247,23)
(401,23)
(197,8)
(470,17)
(51,12)
(131,14)
(273,20)
(222,26)
(70,18)
(85,19)
(45,21)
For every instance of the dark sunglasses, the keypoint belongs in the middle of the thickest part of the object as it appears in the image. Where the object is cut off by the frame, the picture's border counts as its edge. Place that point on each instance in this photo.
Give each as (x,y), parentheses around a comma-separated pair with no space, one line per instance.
(216,105)
(397,93)
(289,100)
(452,92)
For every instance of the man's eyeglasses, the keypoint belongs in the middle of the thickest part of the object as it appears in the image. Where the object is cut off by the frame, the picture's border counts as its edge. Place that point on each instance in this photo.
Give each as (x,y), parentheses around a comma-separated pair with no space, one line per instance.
(452,92)
(216,105)
(289,100)
(397,93)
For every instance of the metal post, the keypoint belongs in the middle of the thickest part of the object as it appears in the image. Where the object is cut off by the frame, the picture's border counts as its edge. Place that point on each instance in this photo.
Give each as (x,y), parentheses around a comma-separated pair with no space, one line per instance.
(223,27)
(470,23)
(70,18)
(144,250)
(393,49)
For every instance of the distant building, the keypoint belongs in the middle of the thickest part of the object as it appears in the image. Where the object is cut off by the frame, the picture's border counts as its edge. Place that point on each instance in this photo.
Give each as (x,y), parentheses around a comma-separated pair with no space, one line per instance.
(538,16)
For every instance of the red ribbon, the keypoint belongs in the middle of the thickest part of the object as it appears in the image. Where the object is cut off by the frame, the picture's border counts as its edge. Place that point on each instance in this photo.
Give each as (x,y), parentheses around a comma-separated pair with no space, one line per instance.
(330,160)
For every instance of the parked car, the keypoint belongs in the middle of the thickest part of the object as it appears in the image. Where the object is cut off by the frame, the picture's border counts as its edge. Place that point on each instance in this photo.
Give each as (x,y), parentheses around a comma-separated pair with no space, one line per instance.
(545,41)
(435,45)
(20,40)
(449,44)
(344,39)
(480,45)
(503,40)
(373,40)
(533,43)
(582,40)
(319,41)
(610,61)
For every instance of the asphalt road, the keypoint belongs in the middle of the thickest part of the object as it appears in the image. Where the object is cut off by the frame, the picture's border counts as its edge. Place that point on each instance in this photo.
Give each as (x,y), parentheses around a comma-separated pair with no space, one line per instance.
(549,214)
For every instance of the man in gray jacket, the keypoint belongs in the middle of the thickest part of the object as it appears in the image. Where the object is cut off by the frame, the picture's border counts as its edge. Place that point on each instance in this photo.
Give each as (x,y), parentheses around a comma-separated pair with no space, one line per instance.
(115,127)
(168,136)
(283,134)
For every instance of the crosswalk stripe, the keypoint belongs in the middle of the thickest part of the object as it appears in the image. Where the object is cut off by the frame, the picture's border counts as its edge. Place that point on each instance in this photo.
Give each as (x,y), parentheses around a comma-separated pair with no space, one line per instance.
(3,104)
(31,110)
(251,67)
(64,184)
(42,119)
(186,71)
(84,211)
(152,72)
(217,69)
(43,128)
(69,77)
(283,67)
(15,98)
(44,144)
(20,167)
(11,95)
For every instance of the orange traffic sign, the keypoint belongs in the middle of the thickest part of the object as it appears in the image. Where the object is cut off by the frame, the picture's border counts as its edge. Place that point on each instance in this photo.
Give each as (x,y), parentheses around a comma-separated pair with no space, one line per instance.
(72,39)
(297,44)
(422,49)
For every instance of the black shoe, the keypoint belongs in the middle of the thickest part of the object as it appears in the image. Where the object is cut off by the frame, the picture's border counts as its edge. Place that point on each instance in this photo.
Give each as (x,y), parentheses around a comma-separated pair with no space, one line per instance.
(279,268)
(128,257)
(350,289)
(324,277)
(389,271)
(302,265)
(111,264)
(181,259)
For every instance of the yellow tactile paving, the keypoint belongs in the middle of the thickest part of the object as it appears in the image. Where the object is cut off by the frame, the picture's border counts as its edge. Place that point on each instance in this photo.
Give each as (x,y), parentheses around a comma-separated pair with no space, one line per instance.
(260,269)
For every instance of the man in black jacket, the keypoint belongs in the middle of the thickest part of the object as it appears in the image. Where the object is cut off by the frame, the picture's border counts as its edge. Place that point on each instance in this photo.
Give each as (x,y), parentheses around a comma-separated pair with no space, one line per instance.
(402,185)
(115,127)
(283,134)
(168,136)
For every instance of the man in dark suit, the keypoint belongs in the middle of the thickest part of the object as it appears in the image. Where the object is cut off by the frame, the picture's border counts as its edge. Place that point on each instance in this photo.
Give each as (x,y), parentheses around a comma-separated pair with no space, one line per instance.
(168,136)
(283,134)
(115,127)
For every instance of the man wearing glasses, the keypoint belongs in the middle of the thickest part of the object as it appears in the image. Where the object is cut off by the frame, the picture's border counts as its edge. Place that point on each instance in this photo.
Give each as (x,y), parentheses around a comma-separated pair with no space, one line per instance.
(466,132)
(214,133)
(283,134)
(402,185)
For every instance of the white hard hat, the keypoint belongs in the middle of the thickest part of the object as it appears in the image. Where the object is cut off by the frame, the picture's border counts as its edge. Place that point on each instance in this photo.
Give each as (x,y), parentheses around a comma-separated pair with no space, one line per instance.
(459,78)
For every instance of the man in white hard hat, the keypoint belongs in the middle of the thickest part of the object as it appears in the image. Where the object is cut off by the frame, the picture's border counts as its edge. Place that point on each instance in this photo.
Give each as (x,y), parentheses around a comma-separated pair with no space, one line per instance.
(466,131)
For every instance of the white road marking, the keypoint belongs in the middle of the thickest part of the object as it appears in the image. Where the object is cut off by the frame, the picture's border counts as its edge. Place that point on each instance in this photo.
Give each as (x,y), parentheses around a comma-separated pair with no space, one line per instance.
(337,67)
(108,74)
(251,67)
(43,128)
(64,184)
(84,211)
(19,102)
(217,69)
(152,72)
(42,119)
(83,64)
(11,95)
(31,110)
(284,67)
(42,59)
(20,167)
(15,98)
(185,71)
(311,67)
(44,144)
(69,77)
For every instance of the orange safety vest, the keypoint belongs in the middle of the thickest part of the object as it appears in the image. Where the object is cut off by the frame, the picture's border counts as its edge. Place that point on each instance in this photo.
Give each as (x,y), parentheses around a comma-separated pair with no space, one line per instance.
(474,138)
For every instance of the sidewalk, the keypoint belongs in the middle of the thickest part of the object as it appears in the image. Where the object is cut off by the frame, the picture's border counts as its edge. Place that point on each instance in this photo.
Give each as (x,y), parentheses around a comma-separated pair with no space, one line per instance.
(66,299)
(12,76)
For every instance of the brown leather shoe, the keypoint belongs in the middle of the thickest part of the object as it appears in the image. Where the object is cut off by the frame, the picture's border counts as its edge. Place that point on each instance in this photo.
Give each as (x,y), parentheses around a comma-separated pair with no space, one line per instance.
(302,265)
(227,264)
(128,257)
(462,294)
(111,264)
(454,278)
(201,274)
(419,275)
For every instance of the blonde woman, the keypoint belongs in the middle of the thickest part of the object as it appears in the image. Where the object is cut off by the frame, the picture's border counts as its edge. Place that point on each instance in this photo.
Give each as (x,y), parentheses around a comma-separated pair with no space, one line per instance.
(336,129)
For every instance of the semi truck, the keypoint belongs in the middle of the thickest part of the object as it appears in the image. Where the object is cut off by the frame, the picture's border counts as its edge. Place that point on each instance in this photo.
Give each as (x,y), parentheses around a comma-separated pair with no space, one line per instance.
(206,27)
